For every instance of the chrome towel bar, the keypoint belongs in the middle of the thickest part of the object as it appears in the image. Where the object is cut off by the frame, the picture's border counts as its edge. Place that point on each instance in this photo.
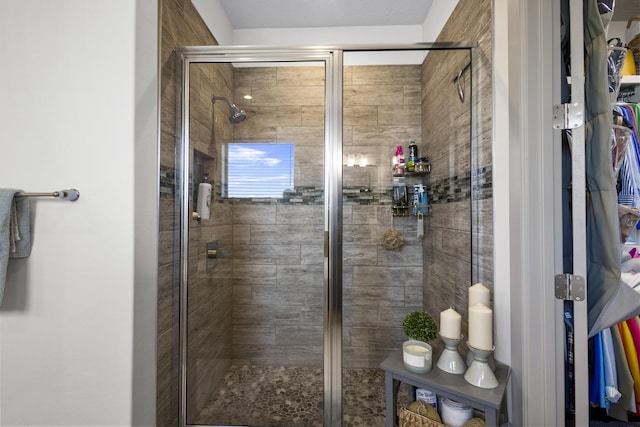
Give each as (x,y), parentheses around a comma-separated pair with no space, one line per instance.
(71,194)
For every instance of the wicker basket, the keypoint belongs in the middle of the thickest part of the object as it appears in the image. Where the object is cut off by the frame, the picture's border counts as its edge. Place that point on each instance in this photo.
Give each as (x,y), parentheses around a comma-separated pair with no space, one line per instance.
(411,419)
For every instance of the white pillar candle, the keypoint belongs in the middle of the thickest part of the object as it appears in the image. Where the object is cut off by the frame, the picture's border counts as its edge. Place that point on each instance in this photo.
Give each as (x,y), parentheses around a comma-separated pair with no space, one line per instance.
(481,327)
(479,294)
(450,321)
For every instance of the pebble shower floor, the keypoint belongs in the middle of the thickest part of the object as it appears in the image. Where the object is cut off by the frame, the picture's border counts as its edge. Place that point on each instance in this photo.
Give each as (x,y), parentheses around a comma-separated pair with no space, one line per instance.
(292,397)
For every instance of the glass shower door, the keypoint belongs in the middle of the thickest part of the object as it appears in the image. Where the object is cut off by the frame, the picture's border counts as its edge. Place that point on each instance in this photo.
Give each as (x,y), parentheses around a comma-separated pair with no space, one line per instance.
(407,229)
(291,296)
(254,284)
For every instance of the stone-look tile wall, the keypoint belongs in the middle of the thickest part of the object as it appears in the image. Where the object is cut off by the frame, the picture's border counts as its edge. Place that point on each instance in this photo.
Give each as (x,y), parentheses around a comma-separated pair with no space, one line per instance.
(458,249)
(181,25)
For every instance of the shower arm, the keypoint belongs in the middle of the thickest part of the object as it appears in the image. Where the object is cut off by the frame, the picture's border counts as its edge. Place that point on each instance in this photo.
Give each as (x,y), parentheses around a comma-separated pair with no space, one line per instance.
(214,98)
(237,115)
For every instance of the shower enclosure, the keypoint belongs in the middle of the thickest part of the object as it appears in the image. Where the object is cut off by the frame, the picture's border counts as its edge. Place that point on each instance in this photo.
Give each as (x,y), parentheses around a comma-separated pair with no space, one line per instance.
(289,298)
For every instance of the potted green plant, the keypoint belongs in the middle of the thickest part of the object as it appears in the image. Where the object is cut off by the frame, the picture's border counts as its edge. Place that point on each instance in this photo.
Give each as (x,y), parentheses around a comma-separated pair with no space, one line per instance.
(417,353)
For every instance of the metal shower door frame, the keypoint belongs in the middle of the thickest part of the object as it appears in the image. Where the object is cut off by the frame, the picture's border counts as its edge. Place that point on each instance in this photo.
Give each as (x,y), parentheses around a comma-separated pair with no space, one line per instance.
(332,56)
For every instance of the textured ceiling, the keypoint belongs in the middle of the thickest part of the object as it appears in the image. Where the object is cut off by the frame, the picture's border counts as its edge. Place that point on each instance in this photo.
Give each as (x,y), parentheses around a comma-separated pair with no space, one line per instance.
(245,14)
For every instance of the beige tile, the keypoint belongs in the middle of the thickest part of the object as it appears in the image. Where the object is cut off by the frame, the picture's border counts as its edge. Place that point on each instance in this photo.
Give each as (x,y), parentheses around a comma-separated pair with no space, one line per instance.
(360,115)
(305,75)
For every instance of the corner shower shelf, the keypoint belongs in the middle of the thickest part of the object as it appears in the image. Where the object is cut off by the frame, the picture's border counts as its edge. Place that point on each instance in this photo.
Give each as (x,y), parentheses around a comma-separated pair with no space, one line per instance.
(412,177)
(402,211)
(411,174)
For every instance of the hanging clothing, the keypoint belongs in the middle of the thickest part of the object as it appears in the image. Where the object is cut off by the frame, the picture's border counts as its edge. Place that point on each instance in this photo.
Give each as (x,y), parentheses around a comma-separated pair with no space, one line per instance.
(627,401)
(629,174)
(632,357)
(635,333)
(596,385)
(612,394)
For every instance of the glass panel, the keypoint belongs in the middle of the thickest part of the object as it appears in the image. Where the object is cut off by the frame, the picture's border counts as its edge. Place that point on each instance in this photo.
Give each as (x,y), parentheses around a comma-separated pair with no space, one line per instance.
(401,256)
(256,264)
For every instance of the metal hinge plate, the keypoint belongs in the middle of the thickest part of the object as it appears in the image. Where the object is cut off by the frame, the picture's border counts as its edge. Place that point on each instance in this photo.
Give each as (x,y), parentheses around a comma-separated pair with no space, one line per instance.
(568,116)
(570,287)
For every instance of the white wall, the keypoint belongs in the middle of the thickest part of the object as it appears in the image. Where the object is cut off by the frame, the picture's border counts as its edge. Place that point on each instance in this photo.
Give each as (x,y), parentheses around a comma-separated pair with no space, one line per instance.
(215,17)
(327,35)
(76,109)
(438,15)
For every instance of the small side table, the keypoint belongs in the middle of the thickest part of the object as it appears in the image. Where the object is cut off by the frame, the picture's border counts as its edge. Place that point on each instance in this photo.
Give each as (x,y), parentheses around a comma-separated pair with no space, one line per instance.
(490,401)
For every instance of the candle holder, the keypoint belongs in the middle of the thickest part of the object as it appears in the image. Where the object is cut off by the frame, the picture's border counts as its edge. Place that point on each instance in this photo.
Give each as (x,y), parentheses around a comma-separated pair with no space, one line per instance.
(491,361)
(479,372)
(450,360)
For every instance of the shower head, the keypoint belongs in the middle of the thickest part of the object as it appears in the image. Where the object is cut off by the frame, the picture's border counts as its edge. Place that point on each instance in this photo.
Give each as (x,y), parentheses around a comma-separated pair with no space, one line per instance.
(236,115)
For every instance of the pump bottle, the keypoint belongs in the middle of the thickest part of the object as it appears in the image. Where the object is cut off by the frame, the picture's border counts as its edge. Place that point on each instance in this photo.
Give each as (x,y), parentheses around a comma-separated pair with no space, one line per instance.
(204,198)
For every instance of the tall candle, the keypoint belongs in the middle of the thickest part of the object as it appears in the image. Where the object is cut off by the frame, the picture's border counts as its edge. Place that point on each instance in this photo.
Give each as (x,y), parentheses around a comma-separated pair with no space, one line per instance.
(450,321)
(479,294)
(481,327)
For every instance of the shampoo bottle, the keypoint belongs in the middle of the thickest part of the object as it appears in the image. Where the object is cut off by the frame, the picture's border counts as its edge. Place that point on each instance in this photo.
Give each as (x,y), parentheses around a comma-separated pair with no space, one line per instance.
(204,197)
(399,154)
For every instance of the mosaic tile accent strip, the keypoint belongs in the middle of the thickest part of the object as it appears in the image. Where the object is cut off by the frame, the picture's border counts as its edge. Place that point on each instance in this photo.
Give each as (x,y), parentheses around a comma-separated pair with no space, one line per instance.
(167,182)
(456,189)
(483,183)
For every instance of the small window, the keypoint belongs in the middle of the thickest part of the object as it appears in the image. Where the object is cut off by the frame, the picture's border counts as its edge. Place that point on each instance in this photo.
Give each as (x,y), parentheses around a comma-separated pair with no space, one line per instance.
(258,170)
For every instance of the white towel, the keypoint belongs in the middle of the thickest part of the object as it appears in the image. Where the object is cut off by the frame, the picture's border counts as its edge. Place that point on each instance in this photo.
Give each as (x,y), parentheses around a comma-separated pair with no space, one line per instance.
(15,234)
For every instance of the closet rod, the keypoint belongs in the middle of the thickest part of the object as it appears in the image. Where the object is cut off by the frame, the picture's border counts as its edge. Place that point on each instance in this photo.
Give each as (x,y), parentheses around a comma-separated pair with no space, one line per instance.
(71,194)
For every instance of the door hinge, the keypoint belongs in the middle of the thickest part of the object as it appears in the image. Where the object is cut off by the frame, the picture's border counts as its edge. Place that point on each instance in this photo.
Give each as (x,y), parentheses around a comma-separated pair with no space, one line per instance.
(568,116)
(570,287)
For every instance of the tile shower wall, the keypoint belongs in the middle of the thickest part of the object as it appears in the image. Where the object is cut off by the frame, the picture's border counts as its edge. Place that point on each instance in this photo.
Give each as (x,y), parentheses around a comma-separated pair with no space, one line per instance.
(459,236)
